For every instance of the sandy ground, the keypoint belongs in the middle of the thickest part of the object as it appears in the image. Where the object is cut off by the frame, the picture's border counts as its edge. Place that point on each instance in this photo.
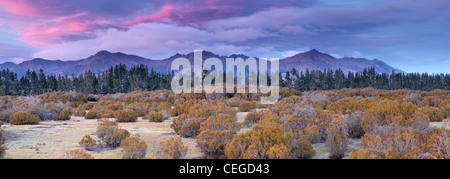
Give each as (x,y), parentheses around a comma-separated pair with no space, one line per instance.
(50,139)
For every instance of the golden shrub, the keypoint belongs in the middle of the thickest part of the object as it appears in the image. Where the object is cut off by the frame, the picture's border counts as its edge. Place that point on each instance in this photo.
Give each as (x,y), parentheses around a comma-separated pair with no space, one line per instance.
(23,118)
(213,143)
(114,136)
(185,127)
(336,141)
(183,108)
(303,149)
(433,113)
(88,143)
(110,134)
(103,126)
(171,148)
(5,115)
(107,113)
(388,112)
(220,122)
(155,116)
(64,115)
(93,114)
(2,142)
(253,118)
(115,106)
(261,142)
(247,106)
(216,133)
(76,154)
(133,147)
(126,115)
(345,106)
(88,106)
(79,111)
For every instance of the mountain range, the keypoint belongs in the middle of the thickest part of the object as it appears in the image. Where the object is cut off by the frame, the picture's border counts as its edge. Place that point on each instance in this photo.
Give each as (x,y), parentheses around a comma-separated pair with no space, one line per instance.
(103,60)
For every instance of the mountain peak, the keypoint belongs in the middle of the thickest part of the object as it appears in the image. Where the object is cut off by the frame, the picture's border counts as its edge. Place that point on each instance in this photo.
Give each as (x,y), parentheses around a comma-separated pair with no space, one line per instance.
(103,52)
(313,51)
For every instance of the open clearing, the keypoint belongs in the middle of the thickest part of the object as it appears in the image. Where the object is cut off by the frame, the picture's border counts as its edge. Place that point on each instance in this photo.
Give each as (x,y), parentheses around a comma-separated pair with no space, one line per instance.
(50,139)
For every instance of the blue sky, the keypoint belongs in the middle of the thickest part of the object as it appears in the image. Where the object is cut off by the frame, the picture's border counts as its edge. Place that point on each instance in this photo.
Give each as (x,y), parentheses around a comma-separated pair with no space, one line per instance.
(409,35)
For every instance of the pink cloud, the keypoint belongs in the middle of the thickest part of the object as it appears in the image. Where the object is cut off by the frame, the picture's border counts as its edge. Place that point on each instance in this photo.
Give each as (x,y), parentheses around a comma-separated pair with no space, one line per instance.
(20,7)
(165,11)
(52,32)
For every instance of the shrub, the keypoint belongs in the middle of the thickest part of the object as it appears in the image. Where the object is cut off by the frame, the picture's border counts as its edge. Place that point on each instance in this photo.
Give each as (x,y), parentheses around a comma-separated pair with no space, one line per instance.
(76,154)
(88,143)
(354,124)
(133,147)
(93,114)
(106,113)
(303,149)
(2,142)
(446,110)
(171,148)
(386,113)
(64,115)
(336,142)
(88,106)
(220,122)
(434,114)
(23,118)
(184,108)
(126,115)
(252,118)
(103,126)
(247,106)
(79,111)
(420,121)
(261,142)
(114,136)
(233,102)
(5,115)
(394,142)
(413,98)
(213,143)
(115,107)
(155,116)
(216,133)
(188,128)
(344,106)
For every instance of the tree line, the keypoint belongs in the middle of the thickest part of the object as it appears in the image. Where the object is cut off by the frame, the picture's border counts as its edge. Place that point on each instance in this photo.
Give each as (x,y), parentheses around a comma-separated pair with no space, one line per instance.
(336,79)
(117,79)
(120,79)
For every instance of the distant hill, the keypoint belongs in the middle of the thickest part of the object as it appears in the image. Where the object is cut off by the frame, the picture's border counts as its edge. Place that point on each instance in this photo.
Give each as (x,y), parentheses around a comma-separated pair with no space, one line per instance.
(102,60)
(316,60)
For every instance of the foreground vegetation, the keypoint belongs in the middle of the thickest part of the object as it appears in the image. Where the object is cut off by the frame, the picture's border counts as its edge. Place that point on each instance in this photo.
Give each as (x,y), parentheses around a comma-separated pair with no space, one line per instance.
(389,123)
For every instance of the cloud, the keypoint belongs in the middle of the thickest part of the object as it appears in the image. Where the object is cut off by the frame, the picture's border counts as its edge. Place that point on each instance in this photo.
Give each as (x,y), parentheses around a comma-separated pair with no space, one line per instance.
(357,54)
(336,55)
(148,39)
(74,29)
(16,60)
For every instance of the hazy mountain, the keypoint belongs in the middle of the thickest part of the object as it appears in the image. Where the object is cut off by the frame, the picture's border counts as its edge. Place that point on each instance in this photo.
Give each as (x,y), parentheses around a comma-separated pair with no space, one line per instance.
(316,60)
(102,60)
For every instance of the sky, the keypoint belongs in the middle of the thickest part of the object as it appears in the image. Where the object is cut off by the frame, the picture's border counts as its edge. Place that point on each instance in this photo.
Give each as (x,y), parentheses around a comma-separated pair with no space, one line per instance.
(413,36)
